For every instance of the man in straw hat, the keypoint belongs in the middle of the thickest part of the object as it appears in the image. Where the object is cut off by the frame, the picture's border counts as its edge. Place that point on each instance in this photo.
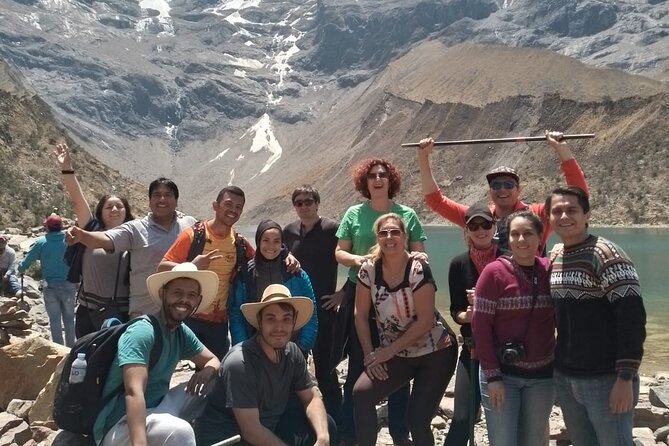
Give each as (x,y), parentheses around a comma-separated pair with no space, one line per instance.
(258,376)
(147,413)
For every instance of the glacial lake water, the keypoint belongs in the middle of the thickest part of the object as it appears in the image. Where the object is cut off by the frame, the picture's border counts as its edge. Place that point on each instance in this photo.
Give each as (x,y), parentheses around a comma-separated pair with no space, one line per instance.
(648,248)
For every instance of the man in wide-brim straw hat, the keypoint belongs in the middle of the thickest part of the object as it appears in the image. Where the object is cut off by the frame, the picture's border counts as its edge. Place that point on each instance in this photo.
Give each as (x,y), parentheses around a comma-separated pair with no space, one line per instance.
(258,378)
(145,412)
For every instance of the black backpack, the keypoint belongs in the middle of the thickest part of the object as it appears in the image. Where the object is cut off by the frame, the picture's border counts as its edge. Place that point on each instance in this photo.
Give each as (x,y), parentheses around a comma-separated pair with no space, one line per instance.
(76,406)
(200,238)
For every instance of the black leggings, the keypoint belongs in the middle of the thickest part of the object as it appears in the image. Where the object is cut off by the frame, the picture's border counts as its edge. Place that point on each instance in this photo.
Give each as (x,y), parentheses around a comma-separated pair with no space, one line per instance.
(430,373)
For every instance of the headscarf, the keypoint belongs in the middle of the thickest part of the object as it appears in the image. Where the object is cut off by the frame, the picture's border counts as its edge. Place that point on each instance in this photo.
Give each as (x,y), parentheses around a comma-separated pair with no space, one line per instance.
(267,271)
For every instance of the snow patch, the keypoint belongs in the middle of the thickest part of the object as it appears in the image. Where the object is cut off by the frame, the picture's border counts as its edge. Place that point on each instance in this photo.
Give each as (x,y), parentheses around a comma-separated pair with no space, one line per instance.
(32,19)
(264,139)
(171,131)
(235,18)
(239,158)
(221,155)
(231,177)
(280,65)
(239,73)
(232,4)
(249,43)
(241,62)
(163,19)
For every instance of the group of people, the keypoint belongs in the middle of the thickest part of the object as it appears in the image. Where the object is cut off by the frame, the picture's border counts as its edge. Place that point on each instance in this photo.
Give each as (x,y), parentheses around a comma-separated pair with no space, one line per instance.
(250,318)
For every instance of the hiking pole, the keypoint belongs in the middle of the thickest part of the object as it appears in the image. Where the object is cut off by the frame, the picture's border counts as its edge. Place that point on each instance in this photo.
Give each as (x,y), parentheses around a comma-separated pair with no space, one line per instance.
(232,440)
(516,139)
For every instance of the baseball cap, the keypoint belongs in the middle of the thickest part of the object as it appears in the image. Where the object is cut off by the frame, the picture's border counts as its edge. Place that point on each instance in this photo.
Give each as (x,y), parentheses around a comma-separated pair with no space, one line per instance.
(502,171)
(478,210)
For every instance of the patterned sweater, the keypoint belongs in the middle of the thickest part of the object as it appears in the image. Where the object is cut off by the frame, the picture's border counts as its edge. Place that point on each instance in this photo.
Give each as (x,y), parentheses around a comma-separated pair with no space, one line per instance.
(503,312)
(599,311)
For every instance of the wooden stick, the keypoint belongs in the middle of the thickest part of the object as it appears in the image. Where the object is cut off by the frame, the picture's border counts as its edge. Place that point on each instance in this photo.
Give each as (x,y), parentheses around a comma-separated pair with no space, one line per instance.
(232,440)
(517,139)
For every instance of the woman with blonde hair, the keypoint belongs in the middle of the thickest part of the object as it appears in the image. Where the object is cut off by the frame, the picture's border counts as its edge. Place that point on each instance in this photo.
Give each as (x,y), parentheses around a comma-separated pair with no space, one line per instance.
(378,181)
(414,343)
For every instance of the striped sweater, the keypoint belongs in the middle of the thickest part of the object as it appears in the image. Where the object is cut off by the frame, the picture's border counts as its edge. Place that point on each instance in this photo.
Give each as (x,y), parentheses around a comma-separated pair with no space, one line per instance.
(599,310)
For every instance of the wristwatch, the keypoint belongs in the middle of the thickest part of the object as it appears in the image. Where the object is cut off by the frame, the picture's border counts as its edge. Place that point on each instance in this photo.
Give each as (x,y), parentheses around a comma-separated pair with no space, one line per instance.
(626,375)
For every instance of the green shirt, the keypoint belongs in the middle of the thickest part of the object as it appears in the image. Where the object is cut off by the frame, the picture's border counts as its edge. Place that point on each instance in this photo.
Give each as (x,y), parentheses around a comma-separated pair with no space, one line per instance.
(134,347)
(356,227)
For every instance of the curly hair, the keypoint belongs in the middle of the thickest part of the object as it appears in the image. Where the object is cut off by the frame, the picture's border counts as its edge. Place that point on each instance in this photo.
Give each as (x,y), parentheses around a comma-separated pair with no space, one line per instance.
(360,171)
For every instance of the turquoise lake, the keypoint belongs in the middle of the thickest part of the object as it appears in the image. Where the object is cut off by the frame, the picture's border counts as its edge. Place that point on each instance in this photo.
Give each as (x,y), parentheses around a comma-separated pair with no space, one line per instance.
(648,248)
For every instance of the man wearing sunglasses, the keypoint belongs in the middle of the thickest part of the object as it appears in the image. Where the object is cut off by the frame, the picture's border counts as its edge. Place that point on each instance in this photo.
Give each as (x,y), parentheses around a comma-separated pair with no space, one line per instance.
(504,188)
(313,239)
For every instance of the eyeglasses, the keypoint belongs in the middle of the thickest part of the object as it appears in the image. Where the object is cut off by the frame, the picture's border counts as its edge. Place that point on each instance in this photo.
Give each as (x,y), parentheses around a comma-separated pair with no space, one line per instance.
(385,233)
(305,202)
(507,184)
(378,175)
(487,225)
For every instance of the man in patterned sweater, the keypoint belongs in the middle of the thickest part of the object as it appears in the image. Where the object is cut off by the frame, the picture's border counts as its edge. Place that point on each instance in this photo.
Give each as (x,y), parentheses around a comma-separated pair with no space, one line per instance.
(600,323)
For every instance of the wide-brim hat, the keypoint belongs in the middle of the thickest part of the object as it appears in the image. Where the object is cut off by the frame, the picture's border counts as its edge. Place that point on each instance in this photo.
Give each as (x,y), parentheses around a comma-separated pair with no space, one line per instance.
(208,281)
(276,294)
(503,171)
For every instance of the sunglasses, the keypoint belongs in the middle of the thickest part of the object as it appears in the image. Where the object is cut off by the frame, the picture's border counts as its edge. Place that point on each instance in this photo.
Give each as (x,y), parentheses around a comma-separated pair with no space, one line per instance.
(377,175)
(507,184)
(306,202)
(385,233)
(476,226)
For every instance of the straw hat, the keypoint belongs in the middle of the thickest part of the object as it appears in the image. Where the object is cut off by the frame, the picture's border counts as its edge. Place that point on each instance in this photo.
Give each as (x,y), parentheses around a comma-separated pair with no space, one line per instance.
(208,281)
(276,294)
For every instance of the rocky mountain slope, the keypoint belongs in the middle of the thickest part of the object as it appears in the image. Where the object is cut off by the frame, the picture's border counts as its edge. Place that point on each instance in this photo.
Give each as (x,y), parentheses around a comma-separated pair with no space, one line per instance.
(30,179)
(268,93)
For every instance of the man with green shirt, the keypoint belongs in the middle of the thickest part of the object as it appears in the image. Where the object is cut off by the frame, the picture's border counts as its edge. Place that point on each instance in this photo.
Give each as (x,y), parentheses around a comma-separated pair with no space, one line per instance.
(147,413)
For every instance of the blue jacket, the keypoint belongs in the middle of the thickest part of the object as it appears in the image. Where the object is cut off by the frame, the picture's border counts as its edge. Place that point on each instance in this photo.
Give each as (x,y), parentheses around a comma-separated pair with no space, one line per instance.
(49,250)
(244,290)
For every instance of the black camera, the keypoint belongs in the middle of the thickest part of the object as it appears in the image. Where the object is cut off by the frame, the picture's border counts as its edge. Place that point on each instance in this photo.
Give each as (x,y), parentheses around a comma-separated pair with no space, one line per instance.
(511,353)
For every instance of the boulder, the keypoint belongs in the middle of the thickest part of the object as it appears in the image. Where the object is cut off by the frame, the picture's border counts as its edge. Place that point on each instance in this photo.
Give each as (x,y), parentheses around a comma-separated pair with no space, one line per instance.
(41,433)
(33,357)
(18,435)
(659,396)
(20,408)
(662,433)
(7,422)
(438,422)
(42,409)
(645,414)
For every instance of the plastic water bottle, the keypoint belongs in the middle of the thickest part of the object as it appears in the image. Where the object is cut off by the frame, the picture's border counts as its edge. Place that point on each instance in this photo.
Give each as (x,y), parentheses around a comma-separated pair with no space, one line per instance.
(78,369)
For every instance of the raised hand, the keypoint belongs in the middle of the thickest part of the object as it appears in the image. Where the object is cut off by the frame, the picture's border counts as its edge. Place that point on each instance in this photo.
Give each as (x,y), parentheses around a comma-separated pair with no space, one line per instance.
(63,159)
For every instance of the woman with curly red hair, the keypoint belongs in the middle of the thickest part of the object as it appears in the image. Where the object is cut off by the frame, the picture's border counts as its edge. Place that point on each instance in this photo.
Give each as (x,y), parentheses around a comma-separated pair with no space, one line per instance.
(379,182)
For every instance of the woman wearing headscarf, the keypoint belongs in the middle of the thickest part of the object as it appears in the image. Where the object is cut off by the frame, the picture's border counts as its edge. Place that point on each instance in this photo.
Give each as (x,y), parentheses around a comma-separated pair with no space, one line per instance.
(267,267)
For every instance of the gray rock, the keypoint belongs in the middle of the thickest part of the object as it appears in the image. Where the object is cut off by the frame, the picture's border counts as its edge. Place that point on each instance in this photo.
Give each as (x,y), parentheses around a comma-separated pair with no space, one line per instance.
(659,396)
(662,433)
(20,408)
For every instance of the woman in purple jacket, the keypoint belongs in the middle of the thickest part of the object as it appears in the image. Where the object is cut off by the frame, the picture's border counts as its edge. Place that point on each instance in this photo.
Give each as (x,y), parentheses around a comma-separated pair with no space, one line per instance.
(514,332)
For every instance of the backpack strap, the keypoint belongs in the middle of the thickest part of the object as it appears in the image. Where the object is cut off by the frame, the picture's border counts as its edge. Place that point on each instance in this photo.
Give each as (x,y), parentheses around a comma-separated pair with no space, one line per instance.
(156,351)
(241,255)
(199,239)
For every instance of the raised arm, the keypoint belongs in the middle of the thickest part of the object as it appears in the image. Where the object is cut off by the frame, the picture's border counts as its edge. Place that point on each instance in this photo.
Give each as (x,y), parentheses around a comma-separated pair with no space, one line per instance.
(427,181)
(573,173)
(74,192)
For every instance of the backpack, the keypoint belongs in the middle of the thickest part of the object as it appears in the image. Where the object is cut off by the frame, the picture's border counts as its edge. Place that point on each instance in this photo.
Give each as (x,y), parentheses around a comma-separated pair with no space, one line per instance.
(74,254)
(200,238)
(76,406)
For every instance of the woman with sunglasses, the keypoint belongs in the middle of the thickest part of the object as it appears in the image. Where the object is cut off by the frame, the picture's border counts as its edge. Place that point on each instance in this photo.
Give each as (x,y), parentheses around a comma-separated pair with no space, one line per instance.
(379,182)
(514,333)
(462,276)
(414,344)
(104,288)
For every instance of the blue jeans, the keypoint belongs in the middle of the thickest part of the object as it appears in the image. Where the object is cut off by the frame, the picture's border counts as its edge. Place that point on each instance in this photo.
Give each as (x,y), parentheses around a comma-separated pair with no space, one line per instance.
(59,302)
(11,285)
(585,407)
(523,418)
(214,335)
